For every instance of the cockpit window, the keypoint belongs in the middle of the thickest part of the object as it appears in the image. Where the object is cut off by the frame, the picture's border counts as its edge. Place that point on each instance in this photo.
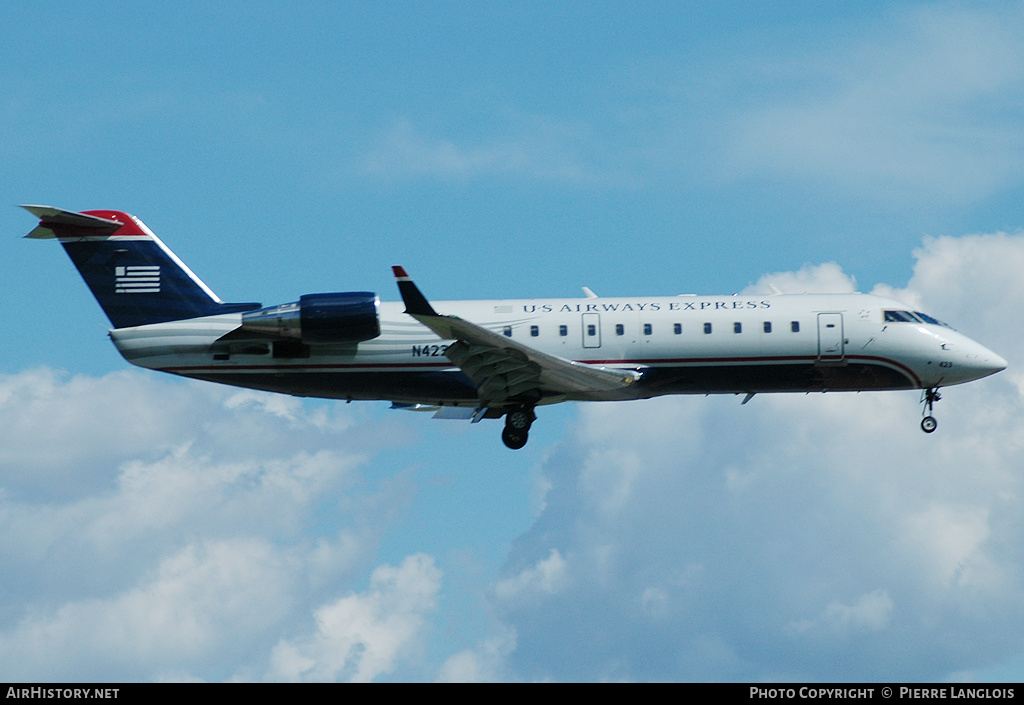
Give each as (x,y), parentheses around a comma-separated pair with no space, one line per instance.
(892,316)
(930,319)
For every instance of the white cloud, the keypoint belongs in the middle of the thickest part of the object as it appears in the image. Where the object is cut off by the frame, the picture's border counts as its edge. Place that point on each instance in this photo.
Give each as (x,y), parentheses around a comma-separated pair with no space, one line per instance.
(483,664)
(546,576)
(360,636)
(539,150)
(926,109)
(200,604)
(870,612)
(949,540)
(50,425)
(61,434)
(142,538)
(828,278)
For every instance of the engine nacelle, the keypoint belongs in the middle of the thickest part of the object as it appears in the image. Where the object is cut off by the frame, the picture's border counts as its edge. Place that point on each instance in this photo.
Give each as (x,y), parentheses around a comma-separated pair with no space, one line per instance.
(319,319)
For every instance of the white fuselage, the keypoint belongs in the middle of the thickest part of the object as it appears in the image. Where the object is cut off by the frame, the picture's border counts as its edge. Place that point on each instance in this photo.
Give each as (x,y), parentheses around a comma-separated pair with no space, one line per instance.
(680,345)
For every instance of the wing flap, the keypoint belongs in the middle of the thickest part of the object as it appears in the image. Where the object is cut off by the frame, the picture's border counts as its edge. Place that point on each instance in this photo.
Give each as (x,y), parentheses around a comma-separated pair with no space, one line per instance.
(482,360)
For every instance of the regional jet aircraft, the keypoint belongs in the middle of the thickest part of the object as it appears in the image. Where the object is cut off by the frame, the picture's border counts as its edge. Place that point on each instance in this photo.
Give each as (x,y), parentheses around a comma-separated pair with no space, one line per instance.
(503,358)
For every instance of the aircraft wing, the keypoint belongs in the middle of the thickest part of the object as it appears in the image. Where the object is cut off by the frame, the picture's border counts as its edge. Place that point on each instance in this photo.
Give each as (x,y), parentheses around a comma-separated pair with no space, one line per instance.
(505,369)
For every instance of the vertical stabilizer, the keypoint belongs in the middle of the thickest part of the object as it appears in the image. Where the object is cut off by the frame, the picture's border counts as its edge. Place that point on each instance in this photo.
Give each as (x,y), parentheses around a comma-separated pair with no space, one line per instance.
(132,274)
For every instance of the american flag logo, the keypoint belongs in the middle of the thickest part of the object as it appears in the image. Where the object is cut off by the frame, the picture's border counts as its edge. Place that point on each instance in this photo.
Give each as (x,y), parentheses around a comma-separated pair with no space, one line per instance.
(137,279)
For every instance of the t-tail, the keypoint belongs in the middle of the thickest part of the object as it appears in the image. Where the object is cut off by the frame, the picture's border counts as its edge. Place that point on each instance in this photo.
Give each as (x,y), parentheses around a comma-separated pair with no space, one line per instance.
(132,274)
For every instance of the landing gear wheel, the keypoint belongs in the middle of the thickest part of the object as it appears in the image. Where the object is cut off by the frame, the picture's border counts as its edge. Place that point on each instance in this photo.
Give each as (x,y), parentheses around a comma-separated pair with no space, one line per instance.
(517,427)
(930,396)
(520,419)
(514,439)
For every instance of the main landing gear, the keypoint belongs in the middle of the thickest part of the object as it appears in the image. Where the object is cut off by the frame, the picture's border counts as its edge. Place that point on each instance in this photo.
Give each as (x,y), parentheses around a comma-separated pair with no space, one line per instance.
(930,396)
(517,427)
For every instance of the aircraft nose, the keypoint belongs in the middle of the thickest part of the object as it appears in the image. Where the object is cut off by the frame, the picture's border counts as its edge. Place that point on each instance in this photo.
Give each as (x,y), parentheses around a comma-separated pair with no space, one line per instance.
(982,362)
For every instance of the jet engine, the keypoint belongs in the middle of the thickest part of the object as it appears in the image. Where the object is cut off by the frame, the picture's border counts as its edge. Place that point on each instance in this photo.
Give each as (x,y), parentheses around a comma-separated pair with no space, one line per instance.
(319,319)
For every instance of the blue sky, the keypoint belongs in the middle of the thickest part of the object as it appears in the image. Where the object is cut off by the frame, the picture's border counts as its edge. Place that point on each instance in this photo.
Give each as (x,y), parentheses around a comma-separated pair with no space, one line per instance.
(512,150)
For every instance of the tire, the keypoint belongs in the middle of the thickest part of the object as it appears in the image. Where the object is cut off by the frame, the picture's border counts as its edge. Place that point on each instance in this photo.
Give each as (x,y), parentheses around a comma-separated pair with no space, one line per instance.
(519,420)
(514,439)
(929,424)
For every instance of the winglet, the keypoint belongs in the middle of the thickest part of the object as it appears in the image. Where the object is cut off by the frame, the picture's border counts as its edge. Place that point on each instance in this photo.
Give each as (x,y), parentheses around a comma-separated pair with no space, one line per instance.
(416,303)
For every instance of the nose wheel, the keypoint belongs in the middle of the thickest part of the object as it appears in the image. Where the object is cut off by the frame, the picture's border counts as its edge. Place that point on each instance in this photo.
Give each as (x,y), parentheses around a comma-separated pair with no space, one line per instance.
(930,396)
(517,427)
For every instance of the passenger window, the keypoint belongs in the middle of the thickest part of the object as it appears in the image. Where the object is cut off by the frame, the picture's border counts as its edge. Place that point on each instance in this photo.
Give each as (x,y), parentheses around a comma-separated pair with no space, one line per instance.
(648,329)
(507,330)
(795,326)
(563,331)
(737,327)
(707,329)
(677,328)
(591,330)
(534,331)
(767,326)
(620,329)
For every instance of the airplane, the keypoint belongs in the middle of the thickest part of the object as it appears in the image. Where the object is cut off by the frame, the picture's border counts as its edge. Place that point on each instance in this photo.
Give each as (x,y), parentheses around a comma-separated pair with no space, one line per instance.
(503,358)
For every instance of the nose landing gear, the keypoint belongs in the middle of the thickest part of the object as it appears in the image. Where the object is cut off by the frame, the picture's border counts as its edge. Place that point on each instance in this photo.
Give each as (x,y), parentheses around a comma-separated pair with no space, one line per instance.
(517,427)
(930,396)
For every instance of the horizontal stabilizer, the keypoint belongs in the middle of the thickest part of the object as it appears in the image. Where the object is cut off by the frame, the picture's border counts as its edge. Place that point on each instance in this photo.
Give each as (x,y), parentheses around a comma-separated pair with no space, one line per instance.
(49,216)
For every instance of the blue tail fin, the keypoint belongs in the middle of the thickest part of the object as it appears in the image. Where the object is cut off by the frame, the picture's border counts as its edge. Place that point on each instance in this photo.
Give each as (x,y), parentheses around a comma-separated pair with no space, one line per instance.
(133,275)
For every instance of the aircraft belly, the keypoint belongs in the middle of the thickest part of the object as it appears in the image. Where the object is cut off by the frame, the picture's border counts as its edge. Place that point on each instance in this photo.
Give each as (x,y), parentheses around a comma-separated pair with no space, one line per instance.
(436,386)
(763,377)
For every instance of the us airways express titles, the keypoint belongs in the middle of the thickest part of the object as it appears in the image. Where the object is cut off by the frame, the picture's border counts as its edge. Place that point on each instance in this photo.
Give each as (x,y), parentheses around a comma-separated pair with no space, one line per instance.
(503,359)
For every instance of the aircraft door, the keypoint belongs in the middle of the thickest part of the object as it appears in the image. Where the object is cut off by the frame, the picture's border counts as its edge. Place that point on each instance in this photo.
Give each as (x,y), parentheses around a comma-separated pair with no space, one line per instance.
(591,330)
(831,347)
